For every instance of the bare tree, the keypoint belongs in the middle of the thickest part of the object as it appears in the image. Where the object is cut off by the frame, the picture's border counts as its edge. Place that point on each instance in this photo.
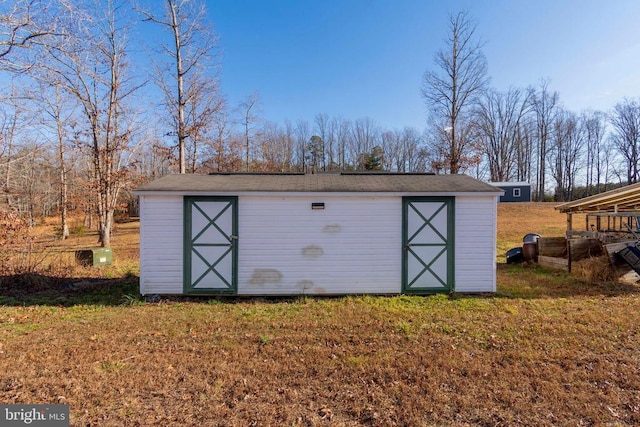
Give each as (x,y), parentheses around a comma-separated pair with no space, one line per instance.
(59,115)
(92,67)
(451,90)
(302,133)
(274,148)
(545,107)
(33,194)
(403,150)
(27,27)
(607,162)
(594,123)
(153,160)
(499,119)
(204,105)
(12,123)
(364,136)
(390,144)
(439,144)
(322,129)
(524,149)
(331,142)
(192,54)
(249,119)
(414,153)
(625,119)
(26,165)
(342,131)
(221,133)
(289,146)
(567,143)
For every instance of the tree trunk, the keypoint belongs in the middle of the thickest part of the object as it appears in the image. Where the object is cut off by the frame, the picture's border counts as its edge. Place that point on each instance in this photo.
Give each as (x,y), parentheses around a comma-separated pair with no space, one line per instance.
(180,76)
(64,227)
(106,224)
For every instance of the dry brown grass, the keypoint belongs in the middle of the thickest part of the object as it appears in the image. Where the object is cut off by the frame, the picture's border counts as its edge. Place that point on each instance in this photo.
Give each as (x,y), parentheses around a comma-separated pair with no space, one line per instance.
(515,220)
(548,349)
(47,254)
(595,269)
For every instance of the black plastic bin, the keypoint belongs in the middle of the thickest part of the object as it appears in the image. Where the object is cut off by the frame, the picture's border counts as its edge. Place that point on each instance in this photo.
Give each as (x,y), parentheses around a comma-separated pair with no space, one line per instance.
(515,256)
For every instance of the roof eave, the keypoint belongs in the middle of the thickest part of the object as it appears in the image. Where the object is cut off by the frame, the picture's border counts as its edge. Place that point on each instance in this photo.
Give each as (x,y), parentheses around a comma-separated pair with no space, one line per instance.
(315,193)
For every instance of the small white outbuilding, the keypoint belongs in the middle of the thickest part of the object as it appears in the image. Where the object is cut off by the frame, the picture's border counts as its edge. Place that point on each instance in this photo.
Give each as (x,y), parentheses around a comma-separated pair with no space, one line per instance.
(317,234)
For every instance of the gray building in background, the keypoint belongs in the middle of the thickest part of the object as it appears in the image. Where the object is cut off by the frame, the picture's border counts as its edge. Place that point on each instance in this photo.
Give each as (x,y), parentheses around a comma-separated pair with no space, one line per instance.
(514,191)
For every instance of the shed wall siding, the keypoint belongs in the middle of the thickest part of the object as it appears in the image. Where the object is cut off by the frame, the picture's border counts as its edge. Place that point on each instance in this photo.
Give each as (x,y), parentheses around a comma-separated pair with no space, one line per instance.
(161,246)
(475,243)
(352,246)
(285,247)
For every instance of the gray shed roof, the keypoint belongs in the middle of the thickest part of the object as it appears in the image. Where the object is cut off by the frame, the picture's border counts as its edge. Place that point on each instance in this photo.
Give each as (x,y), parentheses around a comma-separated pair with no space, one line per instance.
(321,182)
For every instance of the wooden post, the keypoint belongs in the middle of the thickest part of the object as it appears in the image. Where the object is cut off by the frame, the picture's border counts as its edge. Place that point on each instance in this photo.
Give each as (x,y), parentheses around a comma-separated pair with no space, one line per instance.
(569,223)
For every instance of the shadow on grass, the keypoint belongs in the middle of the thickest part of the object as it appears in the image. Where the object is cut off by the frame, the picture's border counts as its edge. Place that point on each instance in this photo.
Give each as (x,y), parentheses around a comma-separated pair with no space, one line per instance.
(37,289)
(530,282)
(514,281)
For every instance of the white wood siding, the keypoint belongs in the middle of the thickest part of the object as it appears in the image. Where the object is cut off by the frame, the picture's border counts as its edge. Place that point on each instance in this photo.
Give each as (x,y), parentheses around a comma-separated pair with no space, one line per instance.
(285,247)
(161,244)
(475,244)
(352,246)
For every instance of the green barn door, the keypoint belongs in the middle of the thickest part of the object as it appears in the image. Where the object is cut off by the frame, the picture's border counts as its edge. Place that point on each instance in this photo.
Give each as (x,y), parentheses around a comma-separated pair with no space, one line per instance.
(211,245)
(427,240)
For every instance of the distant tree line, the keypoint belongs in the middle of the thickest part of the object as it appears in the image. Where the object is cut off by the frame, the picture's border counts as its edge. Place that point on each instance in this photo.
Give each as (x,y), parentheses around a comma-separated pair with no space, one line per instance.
(81,124)
(522,134)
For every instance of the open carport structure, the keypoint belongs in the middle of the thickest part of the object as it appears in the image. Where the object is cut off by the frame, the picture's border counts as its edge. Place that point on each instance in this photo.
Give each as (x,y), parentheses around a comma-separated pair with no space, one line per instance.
(610,215)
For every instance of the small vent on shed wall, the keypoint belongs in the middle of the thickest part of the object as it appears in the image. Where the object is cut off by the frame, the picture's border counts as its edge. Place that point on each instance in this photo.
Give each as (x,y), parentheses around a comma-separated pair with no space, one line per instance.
(317,205)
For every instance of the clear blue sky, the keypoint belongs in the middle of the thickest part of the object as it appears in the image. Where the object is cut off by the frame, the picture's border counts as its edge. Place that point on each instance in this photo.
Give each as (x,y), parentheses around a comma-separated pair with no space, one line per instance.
(357,58)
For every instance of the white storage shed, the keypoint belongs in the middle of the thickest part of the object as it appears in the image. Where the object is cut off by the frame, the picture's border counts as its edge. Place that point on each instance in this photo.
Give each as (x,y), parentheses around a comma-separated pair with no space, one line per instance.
(293,234)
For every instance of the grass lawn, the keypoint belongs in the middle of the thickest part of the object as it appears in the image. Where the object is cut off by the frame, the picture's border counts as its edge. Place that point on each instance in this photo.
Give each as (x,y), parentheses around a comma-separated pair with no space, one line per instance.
(547,349)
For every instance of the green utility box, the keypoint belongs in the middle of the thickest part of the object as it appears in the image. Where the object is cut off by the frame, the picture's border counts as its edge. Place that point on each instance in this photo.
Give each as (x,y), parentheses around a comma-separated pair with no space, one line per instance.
(94,257)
